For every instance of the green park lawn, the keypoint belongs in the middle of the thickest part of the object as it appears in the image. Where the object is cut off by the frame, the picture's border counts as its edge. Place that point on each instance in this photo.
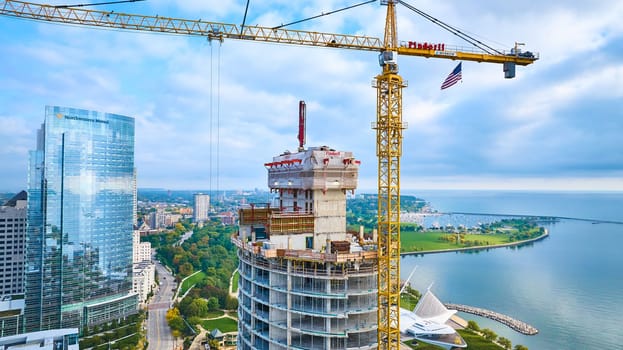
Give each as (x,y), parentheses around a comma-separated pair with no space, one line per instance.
(234,287)
(190,281)
(407,301)
(475,341)
(422,346)
(418,241)
(224,324)
(215,314)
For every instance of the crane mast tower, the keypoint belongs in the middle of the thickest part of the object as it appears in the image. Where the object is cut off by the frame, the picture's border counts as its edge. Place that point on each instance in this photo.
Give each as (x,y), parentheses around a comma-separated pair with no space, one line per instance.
(389,129)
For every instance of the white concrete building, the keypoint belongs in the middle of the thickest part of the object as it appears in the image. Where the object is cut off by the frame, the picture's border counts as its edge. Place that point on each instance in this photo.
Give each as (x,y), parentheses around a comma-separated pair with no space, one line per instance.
(66,339)
(144,279)
(141,251)
(143,270)
(201,208)
(305,283)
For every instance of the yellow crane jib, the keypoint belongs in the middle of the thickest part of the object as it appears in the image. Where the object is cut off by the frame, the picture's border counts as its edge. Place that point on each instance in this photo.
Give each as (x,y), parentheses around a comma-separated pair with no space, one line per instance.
(217,30)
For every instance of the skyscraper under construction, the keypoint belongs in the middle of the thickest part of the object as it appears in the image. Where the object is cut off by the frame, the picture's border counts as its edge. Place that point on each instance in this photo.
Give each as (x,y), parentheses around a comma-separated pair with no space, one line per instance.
(304,281)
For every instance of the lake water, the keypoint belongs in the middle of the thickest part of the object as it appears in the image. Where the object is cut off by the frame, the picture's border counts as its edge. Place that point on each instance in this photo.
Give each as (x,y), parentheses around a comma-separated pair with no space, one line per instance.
(569,285)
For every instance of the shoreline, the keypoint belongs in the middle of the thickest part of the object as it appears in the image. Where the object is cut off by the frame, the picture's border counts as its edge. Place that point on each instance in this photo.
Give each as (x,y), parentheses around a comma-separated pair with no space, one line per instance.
(514,324)
(478,248)
(597,221)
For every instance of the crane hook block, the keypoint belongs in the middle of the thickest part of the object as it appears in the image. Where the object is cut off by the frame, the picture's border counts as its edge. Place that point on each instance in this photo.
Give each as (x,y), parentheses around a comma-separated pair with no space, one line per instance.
(509,70)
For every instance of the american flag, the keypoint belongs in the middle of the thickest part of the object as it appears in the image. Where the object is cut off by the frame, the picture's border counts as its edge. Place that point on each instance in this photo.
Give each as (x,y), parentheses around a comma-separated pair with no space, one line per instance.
(453,78)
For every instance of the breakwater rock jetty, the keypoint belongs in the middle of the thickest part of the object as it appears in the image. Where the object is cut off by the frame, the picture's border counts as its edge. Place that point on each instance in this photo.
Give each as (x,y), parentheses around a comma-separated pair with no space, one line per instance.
(514,324)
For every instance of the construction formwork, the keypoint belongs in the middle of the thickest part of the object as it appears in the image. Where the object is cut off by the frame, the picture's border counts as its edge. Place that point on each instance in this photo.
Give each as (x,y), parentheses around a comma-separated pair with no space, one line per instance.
(319,168)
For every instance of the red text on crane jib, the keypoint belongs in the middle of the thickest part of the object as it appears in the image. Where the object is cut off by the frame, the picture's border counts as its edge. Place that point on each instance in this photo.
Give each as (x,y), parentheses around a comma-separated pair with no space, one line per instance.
(426,46)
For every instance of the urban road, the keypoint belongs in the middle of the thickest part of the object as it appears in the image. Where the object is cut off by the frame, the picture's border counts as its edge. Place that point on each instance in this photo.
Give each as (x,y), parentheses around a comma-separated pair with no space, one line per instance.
(158,331)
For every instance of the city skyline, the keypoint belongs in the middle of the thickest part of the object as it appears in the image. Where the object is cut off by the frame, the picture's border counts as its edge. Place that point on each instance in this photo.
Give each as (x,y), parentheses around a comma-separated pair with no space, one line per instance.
(556,126)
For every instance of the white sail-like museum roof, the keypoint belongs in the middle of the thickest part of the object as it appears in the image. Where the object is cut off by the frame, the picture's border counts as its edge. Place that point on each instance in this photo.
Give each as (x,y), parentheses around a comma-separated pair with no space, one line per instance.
(427,323)
(432,309)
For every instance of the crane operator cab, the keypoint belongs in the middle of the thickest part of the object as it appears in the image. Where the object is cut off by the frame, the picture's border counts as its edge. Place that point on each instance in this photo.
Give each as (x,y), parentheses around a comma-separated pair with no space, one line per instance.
(389,58)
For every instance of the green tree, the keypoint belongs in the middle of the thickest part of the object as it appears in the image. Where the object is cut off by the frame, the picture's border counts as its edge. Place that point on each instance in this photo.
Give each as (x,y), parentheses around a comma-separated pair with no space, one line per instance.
(214,344)
(184,304)
(186,269)
(489,334)
(200,306)
(232,304)
(471,324)
(520,347)
(209,249)
(505,342)
(213,303)
(175,321)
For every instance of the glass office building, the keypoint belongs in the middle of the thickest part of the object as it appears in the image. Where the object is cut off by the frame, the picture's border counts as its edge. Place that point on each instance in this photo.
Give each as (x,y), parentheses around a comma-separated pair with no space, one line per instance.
(80,209)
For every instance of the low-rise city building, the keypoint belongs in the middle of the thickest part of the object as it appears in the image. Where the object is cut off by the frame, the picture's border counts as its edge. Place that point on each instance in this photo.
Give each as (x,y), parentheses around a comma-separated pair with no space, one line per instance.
(227,218)
(141,251)
(55,339)
(143,269)
(143,279)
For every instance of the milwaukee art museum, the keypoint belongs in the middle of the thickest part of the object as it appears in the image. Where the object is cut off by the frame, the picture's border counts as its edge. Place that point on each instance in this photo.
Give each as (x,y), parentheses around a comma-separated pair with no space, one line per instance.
(80,206)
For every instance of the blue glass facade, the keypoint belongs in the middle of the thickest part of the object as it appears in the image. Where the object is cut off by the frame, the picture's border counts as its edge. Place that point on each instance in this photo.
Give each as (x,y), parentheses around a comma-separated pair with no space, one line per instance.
(80,210)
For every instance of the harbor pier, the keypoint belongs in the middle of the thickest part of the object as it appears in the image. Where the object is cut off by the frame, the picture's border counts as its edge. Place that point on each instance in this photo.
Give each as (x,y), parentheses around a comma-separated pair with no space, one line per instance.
(512,323)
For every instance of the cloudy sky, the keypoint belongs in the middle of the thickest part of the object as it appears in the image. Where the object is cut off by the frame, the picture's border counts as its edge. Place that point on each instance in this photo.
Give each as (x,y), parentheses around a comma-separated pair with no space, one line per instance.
(208,115)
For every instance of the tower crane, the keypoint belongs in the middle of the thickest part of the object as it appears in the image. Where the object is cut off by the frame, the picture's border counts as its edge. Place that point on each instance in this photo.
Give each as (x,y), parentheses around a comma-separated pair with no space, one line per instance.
(389,85)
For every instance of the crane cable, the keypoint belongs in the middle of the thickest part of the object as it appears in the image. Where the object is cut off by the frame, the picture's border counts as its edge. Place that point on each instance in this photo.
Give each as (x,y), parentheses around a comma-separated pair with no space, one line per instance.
(244,19)
(324,14)
(211,117)
(218,119)
(479,44)
(97,3)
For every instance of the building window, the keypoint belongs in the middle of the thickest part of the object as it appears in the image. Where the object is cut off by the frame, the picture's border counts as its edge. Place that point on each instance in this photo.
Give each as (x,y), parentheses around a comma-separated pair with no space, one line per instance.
(309,242)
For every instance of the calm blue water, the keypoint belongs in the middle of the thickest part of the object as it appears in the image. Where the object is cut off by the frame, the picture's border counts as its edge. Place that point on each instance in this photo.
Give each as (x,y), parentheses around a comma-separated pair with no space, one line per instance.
(569,286)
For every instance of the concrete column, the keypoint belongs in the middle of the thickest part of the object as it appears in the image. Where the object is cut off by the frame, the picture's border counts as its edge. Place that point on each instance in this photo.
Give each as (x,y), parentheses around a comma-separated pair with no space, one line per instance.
(361,234)
(289,303)
(252,325)
(328,305)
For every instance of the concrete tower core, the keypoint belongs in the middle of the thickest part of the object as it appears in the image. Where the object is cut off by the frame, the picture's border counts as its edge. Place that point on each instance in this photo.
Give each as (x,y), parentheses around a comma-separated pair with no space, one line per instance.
(304,281)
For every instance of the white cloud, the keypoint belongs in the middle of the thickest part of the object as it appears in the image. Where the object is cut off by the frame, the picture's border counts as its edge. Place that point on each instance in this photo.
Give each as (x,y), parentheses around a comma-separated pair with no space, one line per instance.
(597,83)
(614,183)
(166,83)
(13,126)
